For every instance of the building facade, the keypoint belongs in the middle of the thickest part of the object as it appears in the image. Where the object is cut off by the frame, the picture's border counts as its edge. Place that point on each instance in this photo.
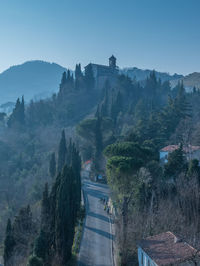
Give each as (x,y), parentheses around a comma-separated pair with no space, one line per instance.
(102,73)
(166,249)
(191,152)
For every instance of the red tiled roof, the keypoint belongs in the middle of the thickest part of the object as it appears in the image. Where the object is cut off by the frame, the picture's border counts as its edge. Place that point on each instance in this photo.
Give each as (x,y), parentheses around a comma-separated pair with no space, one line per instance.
(170,148)
(87,162)
(186,149)
(164,250)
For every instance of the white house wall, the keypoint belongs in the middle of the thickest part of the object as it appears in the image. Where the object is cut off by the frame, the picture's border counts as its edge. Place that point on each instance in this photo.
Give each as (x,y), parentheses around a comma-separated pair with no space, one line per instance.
(146,258)
(164,156)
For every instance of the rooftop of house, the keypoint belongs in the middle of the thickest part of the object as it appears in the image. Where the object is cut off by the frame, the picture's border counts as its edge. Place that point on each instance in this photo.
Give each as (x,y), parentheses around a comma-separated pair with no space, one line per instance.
(88,162)
(167,249)
(186,149)
(112,59)
(98,65)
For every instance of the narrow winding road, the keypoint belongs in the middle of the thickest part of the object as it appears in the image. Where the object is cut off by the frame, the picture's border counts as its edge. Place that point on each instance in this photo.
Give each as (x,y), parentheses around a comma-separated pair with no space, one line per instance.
(96,245)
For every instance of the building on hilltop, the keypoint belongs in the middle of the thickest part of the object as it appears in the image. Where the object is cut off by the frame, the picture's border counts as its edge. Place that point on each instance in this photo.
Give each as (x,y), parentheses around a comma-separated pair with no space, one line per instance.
(166,249)
(191,152)
(102,73)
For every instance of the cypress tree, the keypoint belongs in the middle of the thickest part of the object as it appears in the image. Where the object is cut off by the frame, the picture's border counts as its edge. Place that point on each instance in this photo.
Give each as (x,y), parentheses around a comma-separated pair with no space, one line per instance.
(35,261)
(78,77)
(98,142)
(116,106)
(60,210)
(53,210)
(9,243)
(17,118)
(78,72)
(76,166)
(41,246)
(62,151)
(105,104)
(69,153)
(68,76)
(181,105)
(98,112)
(89,77)
(22,112)
(64,78)
(52,165)
(64,222)
(176,163)
(45,208)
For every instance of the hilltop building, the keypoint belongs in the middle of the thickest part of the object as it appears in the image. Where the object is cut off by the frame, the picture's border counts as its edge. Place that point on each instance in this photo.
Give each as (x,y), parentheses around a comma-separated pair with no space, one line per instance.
(166,249)
(102,73)
(191,152)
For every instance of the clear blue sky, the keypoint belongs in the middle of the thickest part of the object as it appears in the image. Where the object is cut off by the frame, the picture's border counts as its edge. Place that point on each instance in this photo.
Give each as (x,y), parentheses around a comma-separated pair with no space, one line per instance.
(155,34)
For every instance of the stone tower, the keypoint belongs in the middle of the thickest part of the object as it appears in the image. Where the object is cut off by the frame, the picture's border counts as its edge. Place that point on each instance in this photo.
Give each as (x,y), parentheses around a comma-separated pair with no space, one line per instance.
(112,61)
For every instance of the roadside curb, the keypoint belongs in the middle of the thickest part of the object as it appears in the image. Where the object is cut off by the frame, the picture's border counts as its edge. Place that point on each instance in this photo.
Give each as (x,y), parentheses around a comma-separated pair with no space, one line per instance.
(84,220)
(112,246)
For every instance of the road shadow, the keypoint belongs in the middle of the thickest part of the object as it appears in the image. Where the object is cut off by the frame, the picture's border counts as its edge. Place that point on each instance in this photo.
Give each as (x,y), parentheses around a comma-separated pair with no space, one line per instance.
(96,194)
(99,216)
(100,232)
(83,264)
(90,183)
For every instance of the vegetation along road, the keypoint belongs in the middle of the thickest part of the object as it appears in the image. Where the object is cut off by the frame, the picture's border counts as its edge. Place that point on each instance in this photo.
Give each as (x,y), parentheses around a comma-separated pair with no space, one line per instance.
(96,245)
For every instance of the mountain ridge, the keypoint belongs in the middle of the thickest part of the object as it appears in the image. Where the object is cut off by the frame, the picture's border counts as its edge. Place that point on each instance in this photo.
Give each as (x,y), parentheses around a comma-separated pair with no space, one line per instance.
(142,74)
(33,79)
(189,81)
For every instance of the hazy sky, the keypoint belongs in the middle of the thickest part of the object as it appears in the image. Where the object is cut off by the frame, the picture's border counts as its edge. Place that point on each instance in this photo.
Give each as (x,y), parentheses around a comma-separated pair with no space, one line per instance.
(155,34)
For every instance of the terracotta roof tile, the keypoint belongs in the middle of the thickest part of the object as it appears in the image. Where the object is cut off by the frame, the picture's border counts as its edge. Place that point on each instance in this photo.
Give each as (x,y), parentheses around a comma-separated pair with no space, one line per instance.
(187,149)
(164,250)
(170,148)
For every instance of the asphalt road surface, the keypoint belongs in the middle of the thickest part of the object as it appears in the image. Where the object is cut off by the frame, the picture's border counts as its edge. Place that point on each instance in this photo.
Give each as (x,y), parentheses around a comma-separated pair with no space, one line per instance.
(96,244)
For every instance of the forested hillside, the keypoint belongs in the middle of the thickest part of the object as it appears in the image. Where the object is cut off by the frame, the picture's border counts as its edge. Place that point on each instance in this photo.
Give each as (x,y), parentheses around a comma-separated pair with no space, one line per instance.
(29,159)
(131,124)
(121,128)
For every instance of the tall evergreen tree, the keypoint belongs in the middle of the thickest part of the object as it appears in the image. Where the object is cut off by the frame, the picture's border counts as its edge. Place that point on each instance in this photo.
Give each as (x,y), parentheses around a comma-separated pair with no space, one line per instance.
(78,77)
(68,76)
(116,106)
(64,223)
(17,118)
(67,85)
(22,112)
(35,261)
(89,77)
(42,246)
(98,142)
(52,165)
(182,107)
(76,166)
(62,151)
(45,208)
(9,243)
(78,72)
(105,103)
(176,163)
(64,78)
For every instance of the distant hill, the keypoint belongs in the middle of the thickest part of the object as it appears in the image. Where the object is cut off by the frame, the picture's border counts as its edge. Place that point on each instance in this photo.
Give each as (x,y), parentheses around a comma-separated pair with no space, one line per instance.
(33,79)
(7,108)
(190,81)
(140,74)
